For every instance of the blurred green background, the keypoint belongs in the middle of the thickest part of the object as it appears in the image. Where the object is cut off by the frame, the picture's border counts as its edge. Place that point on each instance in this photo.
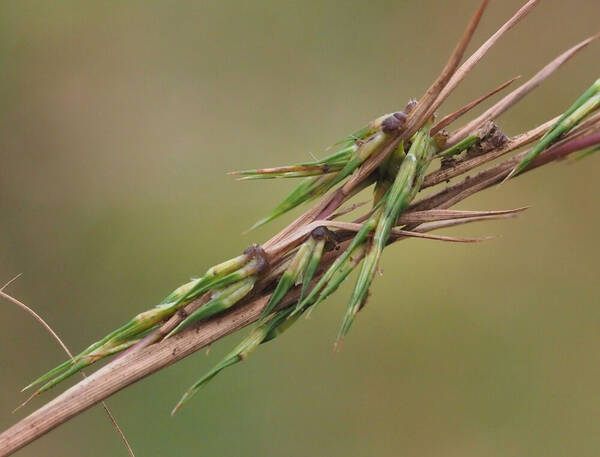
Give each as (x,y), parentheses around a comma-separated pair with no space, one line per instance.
(118,123)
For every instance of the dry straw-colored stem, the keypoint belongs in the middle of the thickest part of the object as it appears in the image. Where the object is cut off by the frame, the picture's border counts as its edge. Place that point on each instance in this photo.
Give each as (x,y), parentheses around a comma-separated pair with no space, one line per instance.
(54,335)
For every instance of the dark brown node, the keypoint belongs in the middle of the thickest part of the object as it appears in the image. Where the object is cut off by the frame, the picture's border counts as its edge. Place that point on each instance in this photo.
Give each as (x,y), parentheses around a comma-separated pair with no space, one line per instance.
(448,162)
(492,137)
(400,115)
(182,313)
(394,123)
(258,253)
(320,232)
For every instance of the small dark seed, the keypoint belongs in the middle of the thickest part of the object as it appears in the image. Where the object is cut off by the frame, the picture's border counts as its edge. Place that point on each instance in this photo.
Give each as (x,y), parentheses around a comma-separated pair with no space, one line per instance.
(319,233)
(390,124)
(394,122)
(400,115)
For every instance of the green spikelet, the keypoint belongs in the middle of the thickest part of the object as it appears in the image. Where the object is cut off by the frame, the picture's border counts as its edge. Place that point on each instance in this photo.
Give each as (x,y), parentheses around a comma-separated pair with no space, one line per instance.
(405,185)
(584,105)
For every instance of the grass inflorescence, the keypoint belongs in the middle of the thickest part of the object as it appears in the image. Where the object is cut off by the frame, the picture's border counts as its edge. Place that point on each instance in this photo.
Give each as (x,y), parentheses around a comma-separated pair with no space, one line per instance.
(307,262)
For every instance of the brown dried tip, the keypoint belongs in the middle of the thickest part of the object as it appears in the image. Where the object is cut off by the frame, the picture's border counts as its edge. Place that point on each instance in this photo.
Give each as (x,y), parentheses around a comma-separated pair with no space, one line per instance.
(429,102)
(447,120)
(31,397)
(434,215)
(520,92)
(468,65)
